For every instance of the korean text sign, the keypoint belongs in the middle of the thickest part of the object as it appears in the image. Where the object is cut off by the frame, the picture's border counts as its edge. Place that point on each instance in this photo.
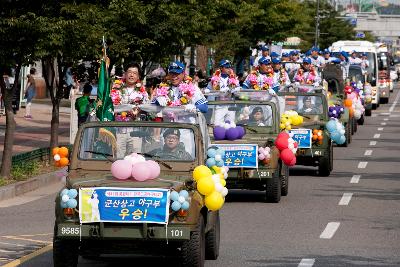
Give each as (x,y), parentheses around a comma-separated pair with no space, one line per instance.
(123,205)
(240,155)
(302,137)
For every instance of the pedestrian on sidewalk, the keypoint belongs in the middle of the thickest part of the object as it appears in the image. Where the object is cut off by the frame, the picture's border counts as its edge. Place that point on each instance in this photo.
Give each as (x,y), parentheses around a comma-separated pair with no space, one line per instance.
(84,105)
(30,91)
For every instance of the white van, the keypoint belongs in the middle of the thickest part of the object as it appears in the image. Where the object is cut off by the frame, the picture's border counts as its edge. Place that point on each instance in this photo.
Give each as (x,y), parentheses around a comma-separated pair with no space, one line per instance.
(372,71)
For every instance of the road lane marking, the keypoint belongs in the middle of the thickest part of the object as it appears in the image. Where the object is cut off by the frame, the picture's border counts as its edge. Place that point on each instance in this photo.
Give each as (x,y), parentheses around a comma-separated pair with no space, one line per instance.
(362,164)
(385,114)
(380,129)
(330,230)
(12,244)
(306,263)
(383,123)
(376,136)
(355,179)
(6,251)
(374,115)
(28,257)
(395,102)
(386,119)
(27,239)
(345,200)
(372,143)
(34,235)
(368,152)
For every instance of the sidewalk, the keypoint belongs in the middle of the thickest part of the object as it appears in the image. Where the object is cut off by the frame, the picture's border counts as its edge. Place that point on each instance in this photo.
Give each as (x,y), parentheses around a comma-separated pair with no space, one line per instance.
(35,133)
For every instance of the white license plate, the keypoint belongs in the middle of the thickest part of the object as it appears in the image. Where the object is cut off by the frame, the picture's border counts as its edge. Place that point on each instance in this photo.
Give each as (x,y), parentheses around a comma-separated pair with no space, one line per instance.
(69,230)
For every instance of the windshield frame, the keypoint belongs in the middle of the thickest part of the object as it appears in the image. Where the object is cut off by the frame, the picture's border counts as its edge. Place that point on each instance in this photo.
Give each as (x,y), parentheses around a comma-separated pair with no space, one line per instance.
(90,164)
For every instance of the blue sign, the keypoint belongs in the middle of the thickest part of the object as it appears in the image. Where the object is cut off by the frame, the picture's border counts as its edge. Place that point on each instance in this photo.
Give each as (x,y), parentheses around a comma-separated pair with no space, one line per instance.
(360,35)
(302,137)
(240,155)
(123,205)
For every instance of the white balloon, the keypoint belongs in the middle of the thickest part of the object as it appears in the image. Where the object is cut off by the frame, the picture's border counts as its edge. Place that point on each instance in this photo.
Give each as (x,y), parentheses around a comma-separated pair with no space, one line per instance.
(224,191)
(181,199)
(215,178)
(291,146)
(218,157)
(57,157)
(219,187)
(65,198)
(227,126)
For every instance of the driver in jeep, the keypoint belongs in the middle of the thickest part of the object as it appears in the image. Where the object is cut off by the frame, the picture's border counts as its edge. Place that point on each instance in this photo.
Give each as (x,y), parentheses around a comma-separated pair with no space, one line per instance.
(173,148)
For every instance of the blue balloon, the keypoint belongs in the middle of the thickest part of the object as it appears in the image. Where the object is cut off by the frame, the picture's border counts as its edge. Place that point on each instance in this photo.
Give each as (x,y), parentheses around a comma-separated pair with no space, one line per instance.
(185,205)
(211,152)
(331,126)
(341,140)
(221,152)
(72,203)
(335,136)
(64,192)
(220,163)
(174,196)
(175,206)
(210,162)
(72,193)
(184,193)
(63,204)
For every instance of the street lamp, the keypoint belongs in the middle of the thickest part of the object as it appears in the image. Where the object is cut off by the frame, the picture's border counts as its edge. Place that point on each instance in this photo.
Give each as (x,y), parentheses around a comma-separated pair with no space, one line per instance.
(317,26)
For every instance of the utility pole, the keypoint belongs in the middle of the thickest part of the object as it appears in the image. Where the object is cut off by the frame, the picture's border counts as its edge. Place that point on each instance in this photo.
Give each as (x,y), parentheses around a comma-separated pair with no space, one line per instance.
(317,26)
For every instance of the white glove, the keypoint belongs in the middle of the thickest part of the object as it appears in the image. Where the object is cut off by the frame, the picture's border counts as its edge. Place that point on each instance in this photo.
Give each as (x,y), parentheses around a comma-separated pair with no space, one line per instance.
(271,91)
(236,89)
(190,108)
(162,101)
(316,84)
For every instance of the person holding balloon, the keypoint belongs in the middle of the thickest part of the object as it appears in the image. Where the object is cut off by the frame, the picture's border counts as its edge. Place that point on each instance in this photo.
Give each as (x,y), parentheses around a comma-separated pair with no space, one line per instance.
(172,149)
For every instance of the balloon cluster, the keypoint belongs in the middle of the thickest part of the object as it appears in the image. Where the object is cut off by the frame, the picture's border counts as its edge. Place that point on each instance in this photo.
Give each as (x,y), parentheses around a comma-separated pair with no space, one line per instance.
(135,166)
(287,147)
(317,136)
(211,186)
(356,105)
(215,157)
(335,111)
(68,198)
(264,155)
(348,89)
(336,131)
(289,118)
(180,200)
(60,155)
(228,130)
(367,92)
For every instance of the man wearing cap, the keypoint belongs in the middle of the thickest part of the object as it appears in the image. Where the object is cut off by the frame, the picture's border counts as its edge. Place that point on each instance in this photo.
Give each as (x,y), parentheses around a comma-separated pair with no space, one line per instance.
(364,62)
(181,91)
(295,64)
(310,75)
(354,59)
(308,106)
(264,53)
(172,149)
(262,78)
(281,78)
(224,79)
(316,59)
(345,64)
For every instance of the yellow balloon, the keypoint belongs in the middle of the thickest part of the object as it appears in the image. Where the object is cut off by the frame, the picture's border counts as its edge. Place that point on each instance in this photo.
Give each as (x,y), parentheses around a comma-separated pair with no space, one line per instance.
(223,182)
(205,186)
(295,120)
(282,126)
(214,201)
(289,127)
(221,176)
(200,172)
(300,120)
(216,169)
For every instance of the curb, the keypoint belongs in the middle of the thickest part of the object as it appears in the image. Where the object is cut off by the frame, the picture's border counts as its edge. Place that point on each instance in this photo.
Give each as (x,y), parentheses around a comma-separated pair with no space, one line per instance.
(19,188)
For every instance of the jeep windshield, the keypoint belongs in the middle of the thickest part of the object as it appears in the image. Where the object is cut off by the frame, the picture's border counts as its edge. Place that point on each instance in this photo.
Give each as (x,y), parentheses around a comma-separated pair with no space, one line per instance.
(305,105)
(159,143)
(256,117)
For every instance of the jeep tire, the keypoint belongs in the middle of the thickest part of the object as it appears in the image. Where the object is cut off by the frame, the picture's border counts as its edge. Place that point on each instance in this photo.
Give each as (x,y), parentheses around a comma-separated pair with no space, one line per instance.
(273,190)
(325,164)
(65,252)
(193,251)
(362,119)
(368,112)
(213,239)
(284,180)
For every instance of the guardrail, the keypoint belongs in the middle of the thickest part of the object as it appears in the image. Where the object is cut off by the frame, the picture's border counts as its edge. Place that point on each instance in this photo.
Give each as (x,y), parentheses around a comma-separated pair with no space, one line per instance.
(37,154)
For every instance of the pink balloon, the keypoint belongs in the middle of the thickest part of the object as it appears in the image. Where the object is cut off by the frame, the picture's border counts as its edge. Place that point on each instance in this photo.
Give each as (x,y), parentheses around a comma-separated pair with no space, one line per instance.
(141,171)
(154,168)
(121,169)
(351,96)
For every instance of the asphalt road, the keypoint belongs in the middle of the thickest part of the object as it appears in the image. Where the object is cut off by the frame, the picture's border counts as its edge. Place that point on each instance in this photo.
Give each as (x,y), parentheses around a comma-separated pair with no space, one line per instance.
(351,218)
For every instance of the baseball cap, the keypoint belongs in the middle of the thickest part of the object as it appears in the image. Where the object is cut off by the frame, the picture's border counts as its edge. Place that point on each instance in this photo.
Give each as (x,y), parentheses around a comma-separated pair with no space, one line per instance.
(176,67)
(225,63)
(274,54)
(264,60)
(264,48)
(172,131)
(276,60)
(307,60)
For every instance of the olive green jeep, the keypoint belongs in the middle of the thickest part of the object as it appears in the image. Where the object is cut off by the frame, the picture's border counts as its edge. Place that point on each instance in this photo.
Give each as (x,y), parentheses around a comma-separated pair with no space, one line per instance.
(315,147)
(127,216)
(258,113)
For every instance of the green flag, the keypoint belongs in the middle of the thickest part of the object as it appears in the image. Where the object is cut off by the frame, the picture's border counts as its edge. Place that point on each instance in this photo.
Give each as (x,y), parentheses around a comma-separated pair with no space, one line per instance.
(105,112)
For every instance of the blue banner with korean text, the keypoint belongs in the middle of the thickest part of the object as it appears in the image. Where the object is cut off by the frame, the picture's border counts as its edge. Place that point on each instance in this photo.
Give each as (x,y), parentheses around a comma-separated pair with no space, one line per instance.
(123,205)
(240,155)
(302,137)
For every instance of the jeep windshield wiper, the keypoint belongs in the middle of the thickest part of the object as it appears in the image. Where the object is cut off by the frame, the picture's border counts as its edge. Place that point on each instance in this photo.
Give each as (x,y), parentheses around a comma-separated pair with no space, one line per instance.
(251,129)
(107,156)
(156,160)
